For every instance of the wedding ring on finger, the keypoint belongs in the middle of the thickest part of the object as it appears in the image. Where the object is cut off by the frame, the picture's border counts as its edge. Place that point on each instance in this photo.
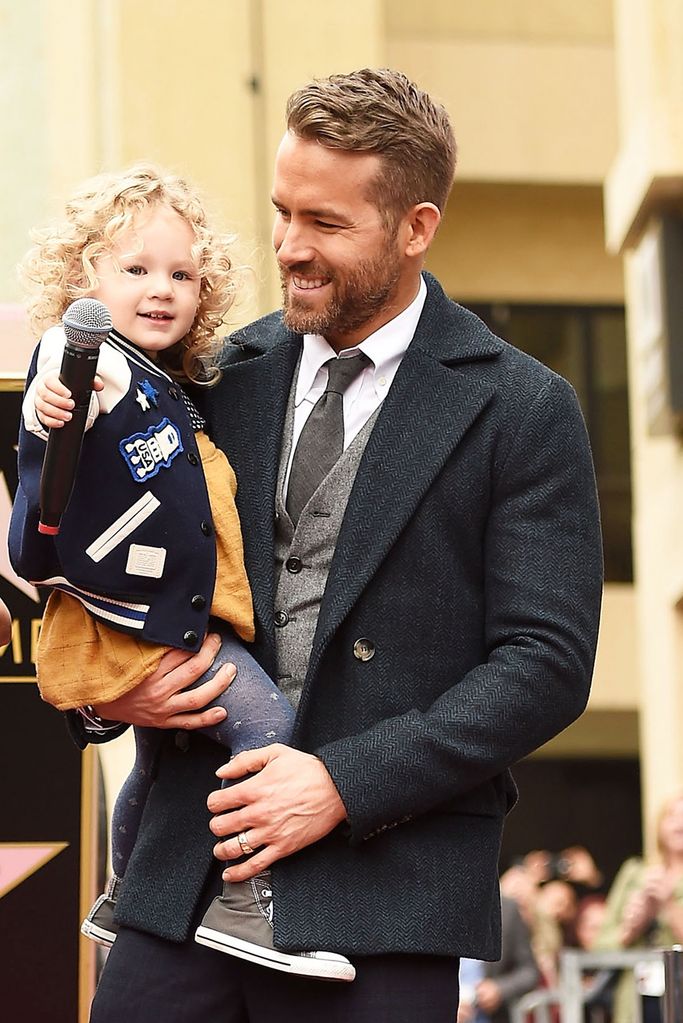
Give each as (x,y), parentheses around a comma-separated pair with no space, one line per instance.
(244,844)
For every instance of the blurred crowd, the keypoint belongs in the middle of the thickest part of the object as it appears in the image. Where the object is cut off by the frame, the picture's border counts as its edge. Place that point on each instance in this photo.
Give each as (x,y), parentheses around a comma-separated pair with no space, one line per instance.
(552,901)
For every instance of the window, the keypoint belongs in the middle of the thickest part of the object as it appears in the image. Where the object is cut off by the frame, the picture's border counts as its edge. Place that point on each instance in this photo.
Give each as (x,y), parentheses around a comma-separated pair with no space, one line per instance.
(587,346)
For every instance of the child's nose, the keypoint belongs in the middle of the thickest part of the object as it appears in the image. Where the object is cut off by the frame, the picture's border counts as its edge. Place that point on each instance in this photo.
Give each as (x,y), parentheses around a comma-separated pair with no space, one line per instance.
(159,286)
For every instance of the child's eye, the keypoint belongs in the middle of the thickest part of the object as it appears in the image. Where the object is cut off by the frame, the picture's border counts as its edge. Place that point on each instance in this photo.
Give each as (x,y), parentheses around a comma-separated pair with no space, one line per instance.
(181,275)
(136,271)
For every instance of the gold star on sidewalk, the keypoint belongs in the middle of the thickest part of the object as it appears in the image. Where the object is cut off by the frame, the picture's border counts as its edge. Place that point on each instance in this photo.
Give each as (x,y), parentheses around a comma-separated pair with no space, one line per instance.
(19,860)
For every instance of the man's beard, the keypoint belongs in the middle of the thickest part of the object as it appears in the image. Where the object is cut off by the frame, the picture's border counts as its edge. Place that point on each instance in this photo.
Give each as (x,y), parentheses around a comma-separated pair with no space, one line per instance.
(355,299)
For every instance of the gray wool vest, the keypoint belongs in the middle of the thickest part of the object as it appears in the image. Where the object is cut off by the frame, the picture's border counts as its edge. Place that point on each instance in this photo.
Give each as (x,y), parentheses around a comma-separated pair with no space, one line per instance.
(303,555)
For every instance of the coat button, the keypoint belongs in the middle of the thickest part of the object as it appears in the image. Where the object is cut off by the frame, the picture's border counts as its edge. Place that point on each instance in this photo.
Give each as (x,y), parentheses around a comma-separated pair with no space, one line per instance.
(198,602)
(192,458)
(206,528)
(190,638)
(173,393)
(364,649)
(281,619)
(294,565)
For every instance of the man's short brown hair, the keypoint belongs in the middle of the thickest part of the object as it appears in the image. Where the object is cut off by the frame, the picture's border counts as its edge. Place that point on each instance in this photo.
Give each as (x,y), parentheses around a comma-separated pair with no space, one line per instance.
(381,111)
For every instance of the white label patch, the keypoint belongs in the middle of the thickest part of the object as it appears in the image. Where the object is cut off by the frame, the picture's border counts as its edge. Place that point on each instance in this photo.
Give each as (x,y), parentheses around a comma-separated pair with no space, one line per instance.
(147,561)
(123,527)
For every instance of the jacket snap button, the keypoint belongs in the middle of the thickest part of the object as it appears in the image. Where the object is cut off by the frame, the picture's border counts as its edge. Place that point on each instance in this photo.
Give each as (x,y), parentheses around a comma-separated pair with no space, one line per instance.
(198,602)
(281,618)
(190,637)
(364,649)
(173,393)
(192,458)
(206,528)
(293,565)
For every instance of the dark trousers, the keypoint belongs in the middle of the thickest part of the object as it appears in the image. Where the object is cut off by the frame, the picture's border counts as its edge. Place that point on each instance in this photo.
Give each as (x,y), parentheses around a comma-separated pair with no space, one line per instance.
(146,979)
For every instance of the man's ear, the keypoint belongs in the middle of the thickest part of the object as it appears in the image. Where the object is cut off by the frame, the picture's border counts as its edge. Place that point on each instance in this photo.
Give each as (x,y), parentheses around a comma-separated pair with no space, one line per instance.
(420,224)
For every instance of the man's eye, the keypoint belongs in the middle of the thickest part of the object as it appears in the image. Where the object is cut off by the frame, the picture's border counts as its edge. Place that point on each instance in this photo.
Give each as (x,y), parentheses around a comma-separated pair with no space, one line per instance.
(327,226)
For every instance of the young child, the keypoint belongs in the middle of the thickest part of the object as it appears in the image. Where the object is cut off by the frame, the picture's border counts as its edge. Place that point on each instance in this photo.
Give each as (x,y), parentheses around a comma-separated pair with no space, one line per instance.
(150,544)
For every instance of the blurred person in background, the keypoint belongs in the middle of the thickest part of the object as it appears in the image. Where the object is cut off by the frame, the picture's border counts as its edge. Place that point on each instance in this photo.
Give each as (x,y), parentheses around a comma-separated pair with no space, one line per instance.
(487,990)
(575,865)
(590,916)
(645,910)
(547,887)
(598,984)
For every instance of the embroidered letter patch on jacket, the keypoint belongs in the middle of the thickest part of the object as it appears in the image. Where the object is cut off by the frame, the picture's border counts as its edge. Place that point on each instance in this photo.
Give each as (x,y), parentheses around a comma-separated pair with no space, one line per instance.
(146,453)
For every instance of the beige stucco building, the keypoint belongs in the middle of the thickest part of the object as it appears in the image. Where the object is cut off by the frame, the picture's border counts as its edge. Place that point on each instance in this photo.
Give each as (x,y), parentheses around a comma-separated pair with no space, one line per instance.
(561,110)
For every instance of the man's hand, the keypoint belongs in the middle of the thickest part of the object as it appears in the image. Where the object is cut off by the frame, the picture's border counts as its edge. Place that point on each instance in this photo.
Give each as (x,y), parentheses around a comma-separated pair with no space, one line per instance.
(288,802)
(160,700)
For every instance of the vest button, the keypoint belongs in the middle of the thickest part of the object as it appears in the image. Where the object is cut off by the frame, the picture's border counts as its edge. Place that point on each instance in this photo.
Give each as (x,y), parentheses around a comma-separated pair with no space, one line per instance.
(173,393)
(294,565)
(364,649)
(190,638)
(192,458)
(206,528)
(281,619)
(198,602)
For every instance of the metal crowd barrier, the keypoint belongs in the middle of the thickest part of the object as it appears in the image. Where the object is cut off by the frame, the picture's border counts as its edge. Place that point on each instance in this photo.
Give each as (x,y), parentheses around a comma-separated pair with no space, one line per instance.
(536,1006)
(569,999)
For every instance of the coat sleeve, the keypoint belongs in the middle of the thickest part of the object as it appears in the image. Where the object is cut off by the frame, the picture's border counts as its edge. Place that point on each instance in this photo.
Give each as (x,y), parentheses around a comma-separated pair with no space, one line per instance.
(543,585)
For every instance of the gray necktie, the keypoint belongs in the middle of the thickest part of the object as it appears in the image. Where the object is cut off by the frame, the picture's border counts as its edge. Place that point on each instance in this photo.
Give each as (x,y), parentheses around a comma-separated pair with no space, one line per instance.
(321,441)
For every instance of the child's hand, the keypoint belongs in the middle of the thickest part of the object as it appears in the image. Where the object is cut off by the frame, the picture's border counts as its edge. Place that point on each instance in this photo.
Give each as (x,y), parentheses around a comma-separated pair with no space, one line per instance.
(54,402)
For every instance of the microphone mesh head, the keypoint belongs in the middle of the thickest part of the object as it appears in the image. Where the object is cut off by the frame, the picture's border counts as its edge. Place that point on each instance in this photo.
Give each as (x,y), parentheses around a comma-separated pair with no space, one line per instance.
(87,323)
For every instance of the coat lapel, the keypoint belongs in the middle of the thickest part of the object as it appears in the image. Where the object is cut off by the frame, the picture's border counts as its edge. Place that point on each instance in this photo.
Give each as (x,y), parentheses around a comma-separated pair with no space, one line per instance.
(439,391)
(247,423)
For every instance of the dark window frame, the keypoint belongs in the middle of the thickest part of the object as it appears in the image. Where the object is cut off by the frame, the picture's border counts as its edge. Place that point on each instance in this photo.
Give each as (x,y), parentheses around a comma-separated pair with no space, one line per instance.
(618,543)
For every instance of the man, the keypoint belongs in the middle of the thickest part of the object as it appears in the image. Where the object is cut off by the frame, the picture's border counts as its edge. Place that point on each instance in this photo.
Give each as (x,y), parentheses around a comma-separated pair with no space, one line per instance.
(431,609)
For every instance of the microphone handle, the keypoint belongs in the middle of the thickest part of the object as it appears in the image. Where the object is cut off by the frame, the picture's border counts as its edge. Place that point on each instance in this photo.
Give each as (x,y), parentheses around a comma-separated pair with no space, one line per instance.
(63,449)
(77,372)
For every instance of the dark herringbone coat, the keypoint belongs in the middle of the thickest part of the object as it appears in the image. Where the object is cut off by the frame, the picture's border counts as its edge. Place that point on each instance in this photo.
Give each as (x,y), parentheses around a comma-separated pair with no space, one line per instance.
(470,557)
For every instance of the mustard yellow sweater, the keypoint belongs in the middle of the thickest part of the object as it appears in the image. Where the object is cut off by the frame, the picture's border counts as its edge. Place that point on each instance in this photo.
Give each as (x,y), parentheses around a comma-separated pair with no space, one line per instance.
(81,661)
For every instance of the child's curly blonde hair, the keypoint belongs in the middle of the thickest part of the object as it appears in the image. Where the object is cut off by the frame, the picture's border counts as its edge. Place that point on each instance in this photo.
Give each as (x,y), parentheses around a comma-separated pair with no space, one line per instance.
(60,267)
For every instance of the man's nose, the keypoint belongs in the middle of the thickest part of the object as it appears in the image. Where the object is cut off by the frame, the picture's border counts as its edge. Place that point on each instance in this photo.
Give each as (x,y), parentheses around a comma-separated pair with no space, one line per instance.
(292,245)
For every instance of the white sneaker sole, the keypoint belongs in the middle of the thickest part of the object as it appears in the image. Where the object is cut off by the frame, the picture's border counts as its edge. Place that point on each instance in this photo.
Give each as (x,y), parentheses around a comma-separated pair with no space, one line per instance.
(98,934)
(324,966)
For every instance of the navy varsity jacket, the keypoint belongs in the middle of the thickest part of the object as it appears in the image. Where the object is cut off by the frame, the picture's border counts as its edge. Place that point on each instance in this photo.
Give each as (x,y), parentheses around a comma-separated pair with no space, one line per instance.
(136,543)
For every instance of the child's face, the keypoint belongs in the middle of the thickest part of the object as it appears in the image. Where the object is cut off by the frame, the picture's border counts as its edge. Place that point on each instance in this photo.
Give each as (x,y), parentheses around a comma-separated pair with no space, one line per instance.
(153,297)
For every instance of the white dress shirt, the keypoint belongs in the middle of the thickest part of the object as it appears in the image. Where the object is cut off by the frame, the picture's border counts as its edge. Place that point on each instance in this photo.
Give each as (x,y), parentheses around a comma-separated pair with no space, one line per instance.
(385,349)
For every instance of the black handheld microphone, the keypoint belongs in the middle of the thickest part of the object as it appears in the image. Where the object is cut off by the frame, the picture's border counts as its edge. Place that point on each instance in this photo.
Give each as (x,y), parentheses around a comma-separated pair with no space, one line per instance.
(87,323)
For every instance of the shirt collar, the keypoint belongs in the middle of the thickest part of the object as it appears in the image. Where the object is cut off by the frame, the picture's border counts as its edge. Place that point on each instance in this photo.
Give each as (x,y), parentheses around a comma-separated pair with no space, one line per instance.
(385,347)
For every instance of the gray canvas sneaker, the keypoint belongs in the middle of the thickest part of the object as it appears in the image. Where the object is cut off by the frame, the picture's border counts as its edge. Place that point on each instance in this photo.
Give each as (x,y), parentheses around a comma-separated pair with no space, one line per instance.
(99,923)
(240,922)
